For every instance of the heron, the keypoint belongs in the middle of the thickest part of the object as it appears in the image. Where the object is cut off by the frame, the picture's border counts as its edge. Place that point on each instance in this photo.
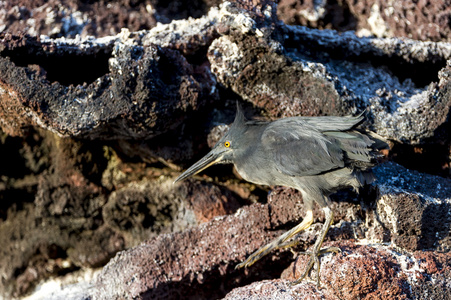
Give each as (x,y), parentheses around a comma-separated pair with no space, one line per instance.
(315,155)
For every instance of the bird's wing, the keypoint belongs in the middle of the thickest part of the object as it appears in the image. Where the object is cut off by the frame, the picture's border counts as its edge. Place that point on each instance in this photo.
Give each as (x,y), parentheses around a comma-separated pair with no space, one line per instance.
(332,123)
(299,149)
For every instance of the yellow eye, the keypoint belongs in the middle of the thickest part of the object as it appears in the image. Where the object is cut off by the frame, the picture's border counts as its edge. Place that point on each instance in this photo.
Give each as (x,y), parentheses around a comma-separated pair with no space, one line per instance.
(227,144)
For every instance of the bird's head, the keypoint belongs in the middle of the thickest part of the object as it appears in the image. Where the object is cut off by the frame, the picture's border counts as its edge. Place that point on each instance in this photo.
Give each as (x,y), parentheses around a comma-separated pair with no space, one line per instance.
(223,151)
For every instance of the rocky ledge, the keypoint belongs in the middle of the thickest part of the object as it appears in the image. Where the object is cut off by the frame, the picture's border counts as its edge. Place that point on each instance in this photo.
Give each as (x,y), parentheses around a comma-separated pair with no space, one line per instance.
(97,121)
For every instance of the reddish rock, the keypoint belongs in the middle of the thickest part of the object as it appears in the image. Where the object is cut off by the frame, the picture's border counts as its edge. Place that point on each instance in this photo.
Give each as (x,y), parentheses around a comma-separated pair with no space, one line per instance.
(359,272)
(396,19)
(86,208)
(279,289)
(137,107)
(363,270)
(184,262)
(207,201)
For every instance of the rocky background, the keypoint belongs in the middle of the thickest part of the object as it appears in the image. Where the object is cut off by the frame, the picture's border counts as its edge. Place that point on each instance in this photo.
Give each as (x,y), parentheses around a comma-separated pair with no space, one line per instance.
(104,103)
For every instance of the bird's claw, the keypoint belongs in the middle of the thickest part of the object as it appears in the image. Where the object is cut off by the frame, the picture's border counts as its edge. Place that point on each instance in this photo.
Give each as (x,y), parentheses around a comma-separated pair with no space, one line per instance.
(240,265)
(314,261)
(279,242)
(250,260)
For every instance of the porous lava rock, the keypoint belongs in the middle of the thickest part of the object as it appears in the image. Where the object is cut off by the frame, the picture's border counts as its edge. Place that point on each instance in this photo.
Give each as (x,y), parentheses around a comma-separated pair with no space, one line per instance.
(97,121)
(366,268)
(374,17)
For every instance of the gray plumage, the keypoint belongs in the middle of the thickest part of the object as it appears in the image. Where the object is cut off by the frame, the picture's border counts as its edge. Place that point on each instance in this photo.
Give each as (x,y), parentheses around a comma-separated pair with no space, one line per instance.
(315,155)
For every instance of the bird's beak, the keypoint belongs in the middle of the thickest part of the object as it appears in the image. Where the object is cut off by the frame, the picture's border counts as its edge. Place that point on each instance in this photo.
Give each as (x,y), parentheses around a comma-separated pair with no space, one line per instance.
(213,157)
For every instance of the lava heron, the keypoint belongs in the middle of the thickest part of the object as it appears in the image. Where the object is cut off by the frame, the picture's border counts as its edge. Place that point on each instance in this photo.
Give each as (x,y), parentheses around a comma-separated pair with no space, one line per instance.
(315,155)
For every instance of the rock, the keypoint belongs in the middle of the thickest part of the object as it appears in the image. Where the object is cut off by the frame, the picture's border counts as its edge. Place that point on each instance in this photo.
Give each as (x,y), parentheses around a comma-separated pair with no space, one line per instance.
(383,19)
(147,208)
(97,127)
(361,272)
(184,262)
(278,289)
(413,208)
(74,18)
(377,18)
(117,104)
(387,271)
(300,72)
(319,72)
(88,207)
(72,286)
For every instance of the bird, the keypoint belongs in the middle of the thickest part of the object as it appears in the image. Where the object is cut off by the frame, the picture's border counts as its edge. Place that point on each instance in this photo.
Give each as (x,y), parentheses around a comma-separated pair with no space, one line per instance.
(315,155)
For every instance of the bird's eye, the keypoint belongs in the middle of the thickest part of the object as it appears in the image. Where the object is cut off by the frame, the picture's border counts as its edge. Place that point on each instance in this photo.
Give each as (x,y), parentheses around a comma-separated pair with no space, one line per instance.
(227,144)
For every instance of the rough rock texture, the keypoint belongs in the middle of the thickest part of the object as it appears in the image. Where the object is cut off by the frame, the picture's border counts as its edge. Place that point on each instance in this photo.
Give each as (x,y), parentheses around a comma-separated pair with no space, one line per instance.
(365,269)
(180,263)
(88,205)
(97,18)
(361,272)
(373,17)
(408,198)
(95,128)
(300,71)
(304,74)
(118,103)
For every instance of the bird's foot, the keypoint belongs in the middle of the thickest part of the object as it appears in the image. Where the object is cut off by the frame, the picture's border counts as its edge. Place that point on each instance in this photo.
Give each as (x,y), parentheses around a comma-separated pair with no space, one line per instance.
(314,261)
(256,256)
(279,242)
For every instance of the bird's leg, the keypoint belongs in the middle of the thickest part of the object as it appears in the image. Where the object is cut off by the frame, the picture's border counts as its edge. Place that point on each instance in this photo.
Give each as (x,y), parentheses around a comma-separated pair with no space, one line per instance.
(316,252)
(278,242)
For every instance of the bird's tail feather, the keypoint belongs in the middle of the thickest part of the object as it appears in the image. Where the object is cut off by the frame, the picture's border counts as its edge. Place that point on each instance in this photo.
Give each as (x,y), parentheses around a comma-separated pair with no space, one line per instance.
(361,149)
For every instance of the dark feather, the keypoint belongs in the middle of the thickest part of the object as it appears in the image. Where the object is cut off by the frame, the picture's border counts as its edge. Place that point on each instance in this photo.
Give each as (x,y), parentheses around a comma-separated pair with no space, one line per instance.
(299,149)
(308,146)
